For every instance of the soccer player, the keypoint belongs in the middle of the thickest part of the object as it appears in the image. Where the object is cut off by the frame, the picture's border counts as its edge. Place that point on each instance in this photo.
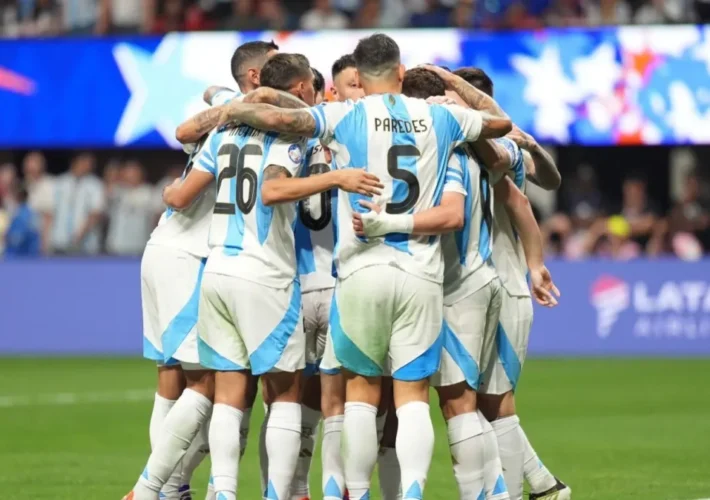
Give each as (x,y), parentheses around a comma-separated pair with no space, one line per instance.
(318,85)
(346,84)
(513,259)
(388,296)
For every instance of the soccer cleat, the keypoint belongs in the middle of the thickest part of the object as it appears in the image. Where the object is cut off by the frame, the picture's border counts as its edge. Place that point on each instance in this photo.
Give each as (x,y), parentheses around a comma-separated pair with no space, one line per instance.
(185,492)
(130,496)
(559,491)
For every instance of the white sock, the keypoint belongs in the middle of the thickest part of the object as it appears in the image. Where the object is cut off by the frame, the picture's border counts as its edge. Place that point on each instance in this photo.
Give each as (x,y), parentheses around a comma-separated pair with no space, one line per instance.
(389,473)
(415,447)
(511,446)
(263,455)
(310,420)
(161,408)
(496,488)
(196,453)
(360,448)
(179,428)
(224,446)
(537,475)
(283,443)
(468,454)
(244,432)
(333,470)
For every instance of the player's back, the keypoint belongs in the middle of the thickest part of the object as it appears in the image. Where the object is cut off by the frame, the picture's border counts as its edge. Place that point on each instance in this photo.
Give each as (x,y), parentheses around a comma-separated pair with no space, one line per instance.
(508,254)
(406,143)
(315,230)
(187,229)
(467,252)
(247,238)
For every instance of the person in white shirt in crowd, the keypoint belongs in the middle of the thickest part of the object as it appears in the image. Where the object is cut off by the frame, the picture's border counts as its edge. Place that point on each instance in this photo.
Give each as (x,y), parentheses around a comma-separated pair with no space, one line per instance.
(79,204)
(40,186)
(131,216)
(125,16)
(323,16)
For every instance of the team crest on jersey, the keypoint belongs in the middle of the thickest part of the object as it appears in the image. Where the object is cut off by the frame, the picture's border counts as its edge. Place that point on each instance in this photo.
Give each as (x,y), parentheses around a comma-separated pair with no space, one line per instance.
(295,153)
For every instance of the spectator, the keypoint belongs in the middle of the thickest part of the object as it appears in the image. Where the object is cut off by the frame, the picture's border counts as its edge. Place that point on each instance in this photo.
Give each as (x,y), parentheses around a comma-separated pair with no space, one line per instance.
(434,15)
(660,12)
(174,15)
(607,12)
(40,187)
(131,219)
(8,178)
(641,213)
(463,14)
(323,16)
(261,15)
(80,16)
(125,16)
(43,20)
(566,13)
(9,19)
(79,208)
(22,238)
(368,16)
(690,217)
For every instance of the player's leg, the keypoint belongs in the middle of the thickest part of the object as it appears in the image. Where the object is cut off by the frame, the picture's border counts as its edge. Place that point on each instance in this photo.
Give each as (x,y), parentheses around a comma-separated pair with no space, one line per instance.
(360,324)
(313,327)
(387,463)
(275,340)
(414,355)
(518,457)
(333,409)
(174,279)
(222,348)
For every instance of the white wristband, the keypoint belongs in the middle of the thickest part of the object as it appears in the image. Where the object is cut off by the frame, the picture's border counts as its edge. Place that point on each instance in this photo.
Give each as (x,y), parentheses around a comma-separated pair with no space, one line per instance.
(375,224)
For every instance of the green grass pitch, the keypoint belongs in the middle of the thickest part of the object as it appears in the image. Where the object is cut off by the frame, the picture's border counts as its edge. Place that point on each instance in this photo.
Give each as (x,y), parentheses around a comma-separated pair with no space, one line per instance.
(77,429)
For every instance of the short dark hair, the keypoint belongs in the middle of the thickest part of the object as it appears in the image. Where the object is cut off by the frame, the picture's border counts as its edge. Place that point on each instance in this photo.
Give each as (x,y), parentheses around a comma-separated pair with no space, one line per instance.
(376,54)
(478,78)
(247,52)
(422,83)
(318,81)
(345,62)
(282,70)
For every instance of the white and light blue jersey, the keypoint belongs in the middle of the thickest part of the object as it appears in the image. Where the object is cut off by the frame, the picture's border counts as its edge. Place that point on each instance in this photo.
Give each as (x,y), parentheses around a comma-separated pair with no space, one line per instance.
(467,253)
(508,253)
(315,230)
(187,229)
(224,96)
(406,143)
(248,239)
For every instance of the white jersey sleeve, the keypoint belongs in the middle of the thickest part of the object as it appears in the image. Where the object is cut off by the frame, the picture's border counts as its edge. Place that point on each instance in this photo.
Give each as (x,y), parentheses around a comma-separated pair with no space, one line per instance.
(455,175)
(225,95)
(328,116)
(188,229)
(464,124)
(508,253)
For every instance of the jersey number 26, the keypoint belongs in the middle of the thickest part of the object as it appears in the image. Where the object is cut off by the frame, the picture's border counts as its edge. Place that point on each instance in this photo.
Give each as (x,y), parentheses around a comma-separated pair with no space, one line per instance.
(236,168)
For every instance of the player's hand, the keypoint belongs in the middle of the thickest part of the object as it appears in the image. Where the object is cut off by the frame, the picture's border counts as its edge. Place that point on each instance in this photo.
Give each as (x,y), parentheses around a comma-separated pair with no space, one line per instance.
(360,223)
(440,99)
(358,180)
(543,289)
(522,139)
(447,76)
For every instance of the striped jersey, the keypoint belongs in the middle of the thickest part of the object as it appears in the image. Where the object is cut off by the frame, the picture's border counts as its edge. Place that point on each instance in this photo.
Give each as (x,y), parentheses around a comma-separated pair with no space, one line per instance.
(508,254)
(248,239)
(406,143)
(315,231)
(188,229)
(467,252)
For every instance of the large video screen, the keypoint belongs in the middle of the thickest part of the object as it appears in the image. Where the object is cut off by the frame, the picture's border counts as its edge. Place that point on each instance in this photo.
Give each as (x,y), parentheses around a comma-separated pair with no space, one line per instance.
(628,85)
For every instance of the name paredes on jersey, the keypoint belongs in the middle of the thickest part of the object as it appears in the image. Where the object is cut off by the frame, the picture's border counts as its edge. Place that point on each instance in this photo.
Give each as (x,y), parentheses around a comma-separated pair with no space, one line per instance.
(400,126)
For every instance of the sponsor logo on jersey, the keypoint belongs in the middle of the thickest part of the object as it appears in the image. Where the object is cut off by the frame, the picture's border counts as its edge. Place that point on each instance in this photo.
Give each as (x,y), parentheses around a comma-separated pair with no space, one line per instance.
(295,153)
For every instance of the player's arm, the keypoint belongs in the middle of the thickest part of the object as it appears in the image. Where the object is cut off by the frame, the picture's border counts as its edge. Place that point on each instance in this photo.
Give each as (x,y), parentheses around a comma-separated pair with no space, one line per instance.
(182,192)
(543,171)
(281,186)
(195,127)
(520,212)
(278,98)
(496,154)
(271,118)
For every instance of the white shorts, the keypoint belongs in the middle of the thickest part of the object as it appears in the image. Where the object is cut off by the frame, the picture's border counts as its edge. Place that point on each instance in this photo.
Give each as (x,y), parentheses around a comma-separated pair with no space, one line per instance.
(381,314)
(469,336)
(170,292)
(316,311)
(502,372)
(247,326)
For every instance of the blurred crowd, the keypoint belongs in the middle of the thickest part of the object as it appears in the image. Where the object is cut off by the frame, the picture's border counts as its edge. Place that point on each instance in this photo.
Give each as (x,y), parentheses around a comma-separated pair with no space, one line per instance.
(101,17)
(81,213)
(78,212)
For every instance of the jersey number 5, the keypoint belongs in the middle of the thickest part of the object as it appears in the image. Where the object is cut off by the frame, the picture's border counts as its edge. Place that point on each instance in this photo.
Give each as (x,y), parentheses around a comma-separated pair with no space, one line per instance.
(236,158)
(393,156)
(325,197)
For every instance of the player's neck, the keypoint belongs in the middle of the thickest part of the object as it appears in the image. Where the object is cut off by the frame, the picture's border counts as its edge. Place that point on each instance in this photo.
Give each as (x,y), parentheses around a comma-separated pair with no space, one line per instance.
(382,88)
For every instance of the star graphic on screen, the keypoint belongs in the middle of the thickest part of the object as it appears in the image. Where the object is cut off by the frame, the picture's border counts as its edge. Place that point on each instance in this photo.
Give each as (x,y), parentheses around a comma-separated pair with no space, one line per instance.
(160,90)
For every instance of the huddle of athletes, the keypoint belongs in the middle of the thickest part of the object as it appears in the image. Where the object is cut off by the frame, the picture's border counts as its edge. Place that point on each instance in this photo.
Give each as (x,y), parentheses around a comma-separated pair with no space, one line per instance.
(348,255)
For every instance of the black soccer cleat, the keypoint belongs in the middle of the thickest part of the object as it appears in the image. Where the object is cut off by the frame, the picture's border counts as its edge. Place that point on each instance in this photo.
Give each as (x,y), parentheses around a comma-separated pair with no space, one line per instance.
(559,491)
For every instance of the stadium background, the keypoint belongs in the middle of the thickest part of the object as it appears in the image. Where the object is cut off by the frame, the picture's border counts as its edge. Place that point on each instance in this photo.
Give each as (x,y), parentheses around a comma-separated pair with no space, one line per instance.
(615,396)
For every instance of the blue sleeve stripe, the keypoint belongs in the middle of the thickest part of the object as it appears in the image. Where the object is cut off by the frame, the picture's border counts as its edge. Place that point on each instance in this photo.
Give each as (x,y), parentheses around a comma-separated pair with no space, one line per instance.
(454,176)
(207,165)
(319,125)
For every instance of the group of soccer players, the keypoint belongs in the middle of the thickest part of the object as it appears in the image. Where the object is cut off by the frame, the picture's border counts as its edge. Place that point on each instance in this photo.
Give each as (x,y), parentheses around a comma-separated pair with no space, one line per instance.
(345,256)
